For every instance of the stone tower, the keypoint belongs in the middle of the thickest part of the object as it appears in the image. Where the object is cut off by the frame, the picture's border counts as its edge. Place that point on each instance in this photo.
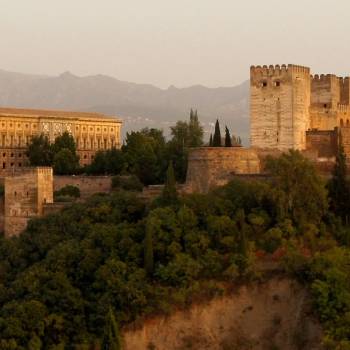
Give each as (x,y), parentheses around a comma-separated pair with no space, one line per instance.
(280,101)
(25,196)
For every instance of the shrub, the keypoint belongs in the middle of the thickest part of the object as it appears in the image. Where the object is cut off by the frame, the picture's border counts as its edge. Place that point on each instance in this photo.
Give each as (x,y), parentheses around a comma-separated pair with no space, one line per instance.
(67,191)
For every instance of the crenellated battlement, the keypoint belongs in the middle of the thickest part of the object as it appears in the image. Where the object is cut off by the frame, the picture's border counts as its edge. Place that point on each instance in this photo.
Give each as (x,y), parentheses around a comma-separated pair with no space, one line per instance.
(273,70)
(324,78)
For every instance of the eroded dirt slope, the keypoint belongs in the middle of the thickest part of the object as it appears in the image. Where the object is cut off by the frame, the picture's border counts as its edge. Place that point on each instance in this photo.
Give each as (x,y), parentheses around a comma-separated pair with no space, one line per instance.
(271,315)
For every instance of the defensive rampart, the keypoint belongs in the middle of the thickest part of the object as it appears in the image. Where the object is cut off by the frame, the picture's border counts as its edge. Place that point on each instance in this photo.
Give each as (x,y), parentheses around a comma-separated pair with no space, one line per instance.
(215,166)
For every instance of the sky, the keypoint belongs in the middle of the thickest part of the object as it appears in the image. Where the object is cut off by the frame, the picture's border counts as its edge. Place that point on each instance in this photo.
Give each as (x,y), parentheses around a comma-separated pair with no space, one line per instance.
(173,42)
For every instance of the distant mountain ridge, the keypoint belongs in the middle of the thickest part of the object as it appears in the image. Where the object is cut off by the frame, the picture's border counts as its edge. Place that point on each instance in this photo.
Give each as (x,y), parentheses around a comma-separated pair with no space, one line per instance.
(139,105)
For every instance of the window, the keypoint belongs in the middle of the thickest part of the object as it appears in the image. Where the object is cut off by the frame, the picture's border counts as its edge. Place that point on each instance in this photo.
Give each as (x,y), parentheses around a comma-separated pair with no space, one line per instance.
(19,155)
(264,83)
(325,105)
(277,83)
(12,164)
(11,155)
(19,164)
(341,122)
(15,194)
(4,165)
(85,156)
(4,154)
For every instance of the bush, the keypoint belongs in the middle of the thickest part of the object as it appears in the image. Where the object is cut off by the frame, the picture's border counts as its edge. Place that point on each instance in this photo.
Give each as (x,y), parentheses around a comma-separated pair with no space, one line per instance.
(127,183)
(67,191)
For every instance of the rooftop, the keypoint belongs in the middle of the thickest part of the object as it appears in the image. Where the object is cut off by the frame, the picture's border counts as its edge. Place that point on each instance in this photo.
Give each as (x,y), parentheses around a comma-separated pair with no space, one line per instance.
(19,112)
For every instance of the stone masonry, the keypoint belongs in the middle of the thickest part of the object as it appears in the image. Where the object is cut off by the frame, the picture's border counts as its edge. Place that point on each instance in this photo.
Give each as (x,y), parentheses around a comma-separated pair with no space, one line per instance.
(25,197)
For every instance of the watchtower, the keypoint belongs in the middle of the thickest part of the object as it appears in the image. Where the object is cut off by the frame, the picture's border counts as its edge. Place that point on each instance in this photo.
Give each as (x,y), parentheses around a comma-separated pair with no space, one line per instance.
(25,196)
(279,110)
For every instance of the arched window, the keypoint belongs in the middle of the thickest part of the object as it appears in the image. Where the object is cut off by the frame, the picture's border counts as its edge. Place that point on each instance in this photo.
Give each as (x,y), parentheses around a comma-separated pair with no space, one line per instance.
(341,122)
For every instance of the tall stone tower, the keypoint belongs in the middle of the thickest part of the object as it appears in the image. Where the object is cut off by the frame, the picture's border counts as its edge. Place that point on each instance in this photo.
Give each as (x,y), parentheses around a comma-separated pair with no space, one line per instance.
(25,197)
(279,111)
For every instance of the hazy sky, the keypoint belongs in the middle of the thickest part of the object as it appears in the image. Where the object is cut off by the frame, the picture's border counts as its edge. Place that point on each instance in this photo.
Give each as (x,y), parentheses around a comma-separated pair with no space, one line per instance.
(180,42)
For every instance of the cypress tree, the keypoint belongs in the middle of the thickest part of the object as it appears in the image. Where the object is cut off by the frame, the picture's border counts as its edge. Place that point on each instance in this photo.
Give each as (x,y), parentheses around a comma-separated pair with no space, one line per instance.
(169,192)
(228,142)
(217,135)
(111,336)
(148,249)
(211,140)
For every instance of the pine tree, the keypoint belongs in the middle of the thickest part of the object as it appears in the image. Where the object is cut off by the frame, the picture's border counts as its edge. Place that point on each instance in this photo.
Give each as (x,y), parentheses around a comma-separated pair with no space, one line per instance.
(239,141)
(148,249)
(169,192)
(339,190)
(211,140)
(111,336)
(217,135)
(228,142)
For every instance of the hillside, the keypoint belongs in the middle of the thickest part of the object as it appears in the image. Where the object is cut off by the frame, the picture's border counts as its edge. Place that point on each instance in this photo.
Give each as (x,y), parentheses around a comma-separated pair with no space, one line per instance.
(139,105)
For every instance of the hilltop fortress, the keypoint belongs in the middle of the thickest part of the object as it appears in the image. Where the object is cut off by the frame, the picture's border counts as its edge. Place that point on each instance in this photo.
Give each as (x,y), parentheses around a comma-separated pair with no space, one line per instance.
(289,109)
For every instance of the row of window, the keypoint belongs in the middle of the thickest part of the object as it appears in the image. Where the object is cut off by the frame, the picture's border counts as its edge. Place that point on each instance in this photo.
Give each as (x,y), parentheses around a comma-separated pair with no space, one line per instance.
(34,126)
(12,165)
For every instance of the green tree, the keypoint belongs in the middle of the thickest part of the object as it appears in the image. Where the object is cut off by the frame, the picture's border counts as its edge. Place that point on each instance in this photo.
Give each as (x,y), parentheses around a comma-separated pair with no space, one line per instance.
(65,140)
(338,186)
(217,135)
(141,158)
(65,162)
(297,189)
(228,142)
(169,195)
(39,151)
(111,336)
(195,130)
(211,140)
(148,247)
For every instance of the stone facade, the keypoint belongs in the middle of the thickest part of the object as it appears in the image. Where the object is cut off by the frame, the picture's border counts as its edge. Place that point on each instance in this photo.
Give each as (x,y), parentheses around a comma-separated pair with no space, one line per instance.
(25,197)
(91,131)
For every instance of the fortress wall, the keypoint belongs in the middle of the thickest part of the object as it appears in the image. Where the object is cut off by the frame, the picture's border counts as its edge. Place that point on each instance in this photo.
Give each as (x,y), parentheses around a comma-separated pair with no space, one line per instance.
(215,166)
(344,84)
(88,185)
(345,138)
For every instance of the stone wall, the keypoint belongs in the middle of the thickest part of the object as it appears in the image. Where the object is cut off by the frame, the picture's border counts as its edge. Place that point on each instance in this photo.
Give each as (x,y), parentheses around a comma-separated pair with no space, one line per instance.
(345,137)
(88,185)
(214,166)
(323,142)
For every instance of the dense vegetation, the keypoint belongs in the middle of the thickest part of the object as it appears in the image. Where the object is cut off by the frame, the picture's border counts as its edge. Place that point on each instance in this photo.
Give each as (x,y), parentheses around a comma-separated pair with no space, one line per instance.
(73,278)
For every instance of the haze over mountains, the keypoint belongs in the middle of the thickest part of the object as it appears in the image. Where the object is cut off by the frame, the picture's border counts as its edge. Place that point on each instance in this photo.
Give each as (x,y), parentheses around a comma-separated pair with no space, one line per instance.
(140,105)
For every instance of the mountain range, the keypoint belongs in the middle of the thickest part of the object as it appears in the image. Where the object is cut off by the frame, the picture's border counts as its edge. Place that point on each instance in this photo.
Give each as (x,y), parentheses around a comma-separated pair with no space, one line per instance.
(139,105)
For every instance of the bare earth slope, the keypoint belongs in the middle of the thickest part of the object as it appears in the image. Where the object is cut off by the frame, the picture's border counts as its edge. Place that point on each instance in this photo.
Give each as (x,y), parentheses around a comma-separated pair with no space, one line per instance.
(272,315)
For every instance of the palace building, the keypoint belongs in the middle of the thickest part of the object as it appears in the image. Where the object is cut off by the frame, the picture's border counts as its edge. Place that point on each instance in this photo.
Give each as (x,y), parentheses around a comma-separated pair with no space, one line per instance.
(92,132)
